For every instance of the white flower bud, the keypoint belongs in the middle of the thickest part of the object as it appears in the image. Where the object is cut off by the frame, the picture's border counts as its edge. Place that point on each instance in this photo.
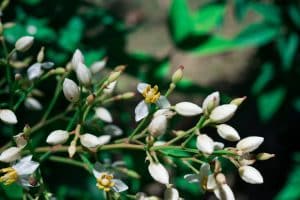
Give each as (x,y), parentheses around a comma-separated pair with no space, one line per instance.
(8,116)
(24,43)
(57,137)
(41,55)
(98,66)
(110,87)
(171,194)
(210,102)
(11,154)
(218,145)
(34,71)
(103,114)
(89,141)
(177,75)
(249,144)
(159,173)
(77,58)
(32,104)
(222,113)
(158,125)
(205,144)
(224,192)
(83,74)
(250,175)
(228,133)
(103,139)
(188,109)
(71,90)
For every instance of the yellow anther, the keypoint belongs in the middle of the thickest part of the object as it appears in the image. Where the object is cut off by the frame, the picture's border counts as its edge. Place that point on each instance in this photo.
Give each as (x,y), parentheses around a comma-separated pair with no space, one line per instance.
(150,94)
(105,182)
(204,183)
(10,175)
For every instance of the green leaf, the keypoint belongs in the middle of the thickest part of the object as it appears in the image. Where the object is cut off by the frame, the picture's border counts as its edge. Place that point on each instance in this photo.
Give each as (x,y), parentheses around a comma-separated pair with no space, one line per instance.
(269,103)
(13,191)
(269,12)
(181,24)
(294,12)
(162,71)
(175,152)
(93,56)
(266,74)
(192,188)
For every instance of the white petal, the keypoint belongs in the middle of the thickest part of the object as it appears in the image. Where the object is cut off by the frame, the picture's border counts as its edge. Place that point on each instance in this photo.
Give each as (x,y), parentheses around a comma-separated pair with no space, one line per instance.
(141,87)
(250,175)
(83,74)
(77,58)
(228,133)
(163,102)
(205,144)
(47,65)
(166,112)
(8,116)
(171,194)
(204,171)
(211,182)
(34,71)
(113,130)
(96,173)
(110,88)
(141,111)
(158,126)
(211,101)
(89,140)
(188,109)
(32,104)
(11,154)
(119,186)
(25,166)
(159,173)
(57,137)
(71,90)
(222,113)
(24,43)
(224,192)
(249,144)
(192,178)
(98,66)
(104,139)
(103,114)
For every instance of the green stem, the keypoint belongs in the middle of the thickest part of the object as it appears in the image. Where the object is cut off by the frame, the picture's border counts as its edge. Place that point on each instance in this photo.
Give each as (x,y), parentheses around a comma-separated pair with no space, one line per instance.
(68,161)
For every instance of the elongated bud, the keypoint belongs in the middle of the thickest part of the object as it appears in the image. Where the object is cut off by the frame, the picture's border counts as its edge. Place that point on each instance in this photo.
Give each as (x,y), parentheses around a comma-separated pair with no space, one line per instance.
(4,4)
(90,99)
(98,66)
(72,149)
(24,43)
(264,156)
(41,55)
(114,75)
(32,104)
(18,76)
(8,116)
(222,113)
(238,101)
(83,74)
(59,70)
(71,90)
(171,194)
(250,175)
(158,125)
(177,75)
(110,87)
(128,95)
(57,137)
(77,58)
(103,114)
(89,141)
(228,133)
(27,129)
(210,102)
(249,144)
(205,144)
(158,173)
(11,154)
(188,109)
(1,27)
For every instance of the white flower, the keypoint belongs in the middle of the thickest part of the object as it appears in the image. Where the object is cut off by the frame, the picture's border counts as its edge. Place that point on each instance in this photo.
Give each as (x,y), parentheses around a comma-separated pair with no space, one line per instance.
(228,133)
(19,172)
(202,177)
(24,43)
(57,137)
(158,125)
(210,102)
(8,116)
(11,154)
(71,90)
(222,113)
(103,114)
(188,109)
(77,58)
(34,71)
(32,104)
(250,175)
(98,66)
(249,144)
(83,74)
(158,173)
(151,95)
(91,141)
(171,194)
(107,182)
(205,144)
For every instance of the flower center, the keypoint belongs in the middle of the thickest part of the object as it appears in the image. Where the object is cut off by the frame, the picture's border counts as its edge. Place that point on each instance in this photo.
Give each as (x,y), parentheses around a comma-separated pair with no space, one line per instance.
(10,175)
(104,182)
(151,94)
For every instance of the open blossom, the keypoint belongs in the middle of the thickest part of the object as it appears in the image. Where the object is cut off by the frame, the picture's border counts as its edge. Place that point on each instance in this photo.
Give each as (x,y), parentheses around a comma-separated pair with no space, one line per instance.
(8,116)
(158,173)
(151,96)
(19,172)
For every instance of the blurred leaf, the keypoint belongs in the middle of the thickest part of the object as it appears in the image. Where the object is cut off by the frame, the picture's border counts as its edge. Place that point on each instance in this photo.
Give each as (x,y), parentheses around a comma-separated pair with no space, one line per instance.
(181,24)
(93,56)
(31,2)
(270,12)
(162,71)
(13,191)
(269,103)
(192,188)
(266,74)
(70,36)
(240,9)
(296,104)
(294,12)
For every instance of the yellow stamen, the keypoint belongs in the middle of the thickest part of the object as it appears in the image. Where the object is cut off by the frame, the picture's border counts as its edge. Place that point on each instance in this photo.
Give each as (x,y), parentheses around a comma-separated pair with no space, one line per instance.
(104,182)
(150,94)
(204,183)
(10,175)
